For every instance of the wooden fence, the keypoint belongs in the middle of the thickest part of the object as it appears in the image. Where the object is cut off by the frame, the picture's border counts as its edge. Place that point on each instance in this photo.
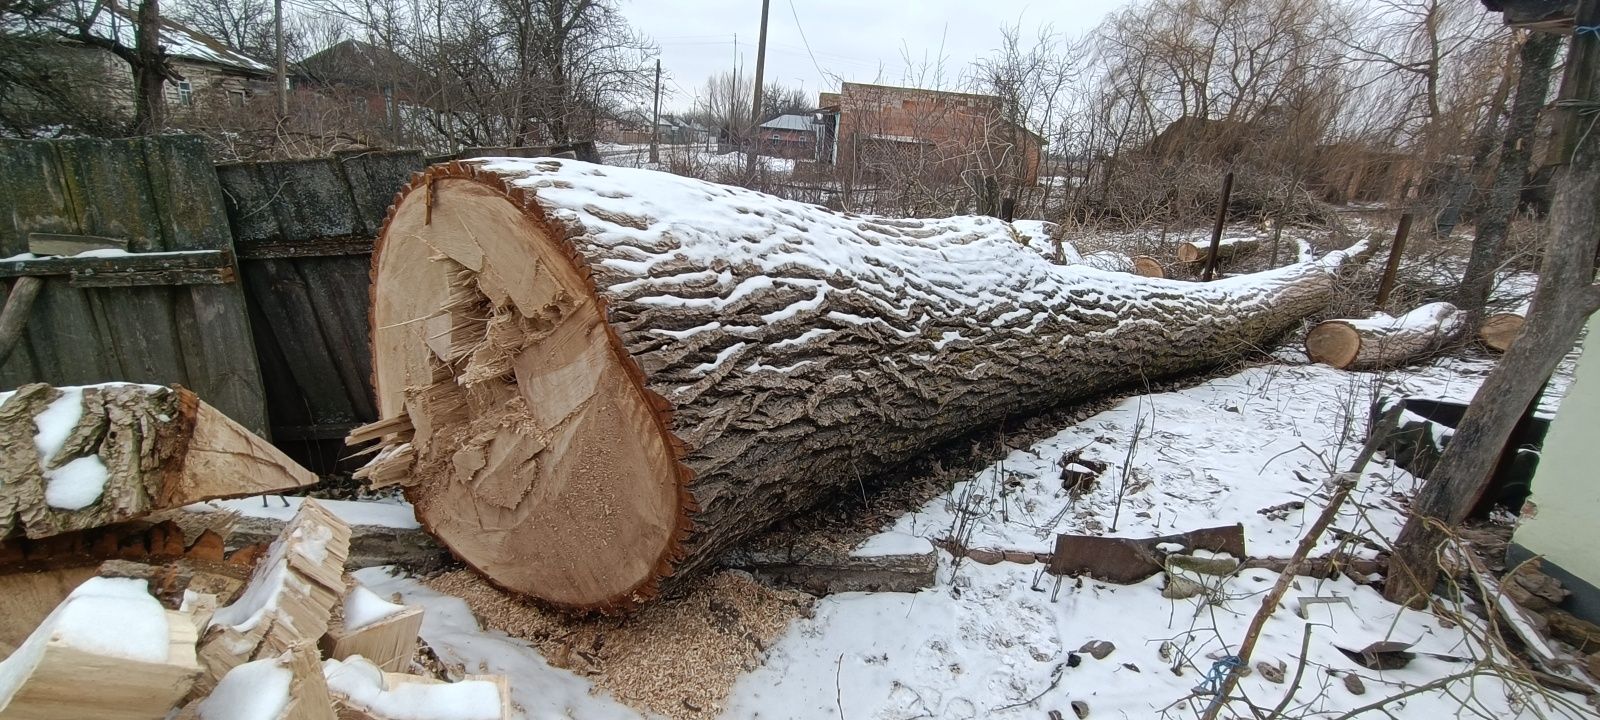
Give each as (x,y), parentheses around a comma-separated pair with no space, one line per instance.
(246,282)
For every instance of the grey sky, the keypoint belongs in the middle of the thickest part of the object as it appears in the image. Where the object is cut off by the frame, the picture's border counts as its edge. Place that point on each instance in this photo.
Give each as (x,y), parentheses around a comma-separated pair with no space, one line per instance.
(858,40)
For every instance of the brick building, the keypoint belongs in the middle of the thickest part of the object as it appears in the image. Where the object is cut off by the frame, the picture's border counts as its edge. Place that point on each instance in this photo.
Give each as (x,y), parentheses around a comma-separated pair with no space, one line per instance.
(871,129)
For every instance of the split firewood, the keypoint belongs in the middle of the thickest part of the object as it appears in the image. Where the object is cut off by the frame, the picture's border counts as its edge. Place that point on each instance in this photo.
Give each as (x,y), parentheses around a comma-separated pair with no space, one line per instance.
(1384,341)
(288,686)
(363,691)
(76,666)
(624,354)
(1499,330)
(383,632)
(289,598)
(74,458)
(1196,250)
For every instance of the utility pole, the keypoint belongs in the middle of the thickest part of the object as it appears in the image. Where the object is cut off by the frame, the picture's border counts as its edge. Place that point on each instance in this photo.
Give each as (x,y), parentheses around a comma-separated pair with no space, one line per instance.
(283,80)
(755,105)
(655,120)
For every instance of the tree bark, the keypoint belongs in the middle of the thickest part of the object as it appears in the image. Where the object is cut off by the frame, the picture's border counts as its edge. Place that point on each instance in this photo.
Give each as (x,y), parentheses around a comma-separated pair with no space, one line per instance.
(1533,85)
(1383,341)
(578,364)
(150,448)
(1196,250)
(1562,303)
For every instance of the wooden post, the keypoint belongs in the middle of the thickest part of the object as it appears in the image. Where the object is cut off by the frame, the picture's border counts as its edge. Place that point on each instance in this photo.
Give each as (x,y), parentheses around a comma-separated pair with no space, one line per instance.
(1398,249)
(1008,209)
(281,73)
(15,315)
(655,120)
(755,105)
(1216,231)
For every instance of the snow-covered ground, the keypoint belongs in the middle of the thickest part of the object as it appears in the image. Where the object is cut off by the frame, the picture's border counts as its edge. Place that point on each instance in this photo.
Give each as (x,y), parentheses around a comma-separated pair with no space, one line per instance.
(1002,641)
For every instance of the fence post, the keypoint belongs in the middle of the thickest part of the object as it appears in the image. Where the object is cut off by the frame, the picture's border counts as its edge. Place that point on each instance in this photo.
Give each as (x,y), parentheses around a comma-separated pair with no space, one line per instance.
(1216,232)
(1397,249)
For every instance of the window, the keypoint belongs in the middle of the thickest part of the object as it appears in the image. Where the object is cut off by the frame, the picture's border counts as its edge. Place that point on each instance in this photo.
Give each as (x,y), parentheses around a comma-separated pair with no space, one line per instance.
(236,98)
(185,93)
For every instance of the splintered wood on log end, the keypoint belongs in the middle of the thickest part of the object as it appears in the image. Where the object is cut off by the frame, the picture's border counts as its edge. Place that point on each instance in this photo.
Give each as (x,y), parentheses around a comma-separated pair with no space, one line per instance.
(1500,330)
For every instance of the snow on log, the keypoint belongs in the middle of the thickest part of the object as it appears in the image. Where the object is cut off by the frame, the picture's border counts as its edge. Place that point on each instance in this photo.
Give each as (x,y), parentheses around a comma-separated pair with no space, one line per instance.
(1384,341)
(1500,330)
(110,650)
(1195,250)
(363,691)
(289,598)
(609,376)
(73,458)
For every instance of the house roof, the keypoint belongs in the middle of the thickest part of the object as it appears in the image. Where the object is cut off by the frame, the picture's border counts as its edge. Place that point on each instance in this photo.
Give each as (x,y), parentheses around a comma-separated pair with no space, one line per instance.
(363,64)
(790,122)
(180,41)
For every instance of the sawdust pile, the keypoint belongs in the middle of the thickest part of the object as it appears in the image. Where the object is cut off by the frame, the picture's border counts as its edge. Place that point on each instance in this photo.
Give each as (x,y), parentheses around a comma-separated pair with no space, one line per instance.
(678,657)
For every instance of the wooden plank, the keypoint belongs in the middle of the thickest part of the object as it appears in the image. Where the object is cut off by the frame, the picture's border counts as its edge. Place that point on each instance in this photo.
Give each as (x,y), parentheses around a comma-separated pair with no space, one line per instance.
(183,184)
(314,247)
(337,288)
(61,244)
(140,321)
(374,179)
(32,196)
(72,352)
(131,262)
(279,291)
(165,278)
(248,201)
(219,349)
(109,188)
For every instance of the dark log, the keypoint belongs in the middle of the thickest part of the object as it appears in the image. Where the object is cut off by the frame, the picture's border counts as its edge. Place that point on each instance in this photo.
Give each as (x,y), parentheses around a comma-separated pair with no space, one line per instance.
(1130,560)
(613,375)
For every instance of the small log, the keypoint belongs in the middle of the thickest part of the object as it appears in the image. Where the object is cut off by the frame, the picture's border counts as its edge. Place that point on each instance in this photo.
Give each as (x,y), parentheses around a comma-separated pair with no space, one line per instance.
(74,458)
(1130,560)
(293,680)
(1500,330)
(14,316)
(821,570)
(1147,266)
(1195,250)
(289,599)
(388,641)
(1383,341)
(363,691)
(73,666)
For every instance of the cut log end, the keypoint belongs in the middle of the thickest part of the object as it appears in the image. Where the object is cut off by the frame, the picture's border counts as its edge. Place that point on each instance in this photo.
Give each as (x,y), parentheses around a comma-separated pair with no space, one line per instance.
(1333,343)
(1500,330)
(1148,267)
(540,458)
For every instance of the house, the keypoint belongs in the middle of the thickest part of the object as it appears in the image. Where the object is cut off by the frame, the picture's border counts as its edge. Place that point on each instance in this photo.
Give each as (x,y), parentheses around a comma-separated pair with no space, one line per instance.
(788,136)
(371,80)
(213,76)
(871,129)
(1558,520)
(1558,16)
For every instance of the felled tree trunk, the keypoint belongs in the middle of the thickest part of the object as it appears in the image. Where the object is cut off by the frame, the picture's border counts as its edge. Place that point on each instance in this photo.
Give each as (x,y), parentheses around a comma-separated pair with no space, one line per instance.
(594,378)
(1196,250)
(75,458)
(1383,341)
(1499,330)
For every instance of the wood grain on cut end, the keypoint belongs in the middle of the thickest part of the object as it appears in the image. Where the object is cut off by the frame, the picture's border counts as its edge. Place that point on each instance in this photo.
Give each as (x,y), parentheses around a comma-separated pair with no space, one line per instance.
(1500,330)
(540,458)
(1333,343)
(1147,266)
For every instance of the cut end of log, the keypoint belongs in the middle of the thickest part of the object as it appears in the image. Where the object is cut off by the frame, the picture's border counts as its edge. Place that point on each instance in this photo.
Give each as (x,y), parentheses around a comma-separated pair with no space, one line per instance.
(1500,330)
(1333,343)
(1148,267)
(537,453)
(1190,252)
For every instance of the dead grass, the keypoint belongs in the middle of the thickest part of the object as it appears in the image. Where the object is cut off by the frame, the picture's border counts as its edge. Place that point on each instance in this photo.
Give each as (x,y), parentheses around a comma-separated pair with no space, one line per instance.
(679,657)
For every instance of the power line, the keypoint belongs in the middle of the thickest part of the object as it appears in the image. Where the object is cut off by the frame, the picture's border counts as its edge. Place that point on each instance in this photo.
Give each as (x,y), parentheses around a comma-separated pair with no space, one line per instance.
(803,39)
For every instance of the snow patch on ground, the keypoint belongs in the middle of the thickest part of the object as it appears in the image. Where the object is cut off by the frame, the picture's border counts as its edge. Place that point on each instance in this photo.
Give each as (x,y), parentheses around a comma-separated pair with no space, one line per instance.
(387,513)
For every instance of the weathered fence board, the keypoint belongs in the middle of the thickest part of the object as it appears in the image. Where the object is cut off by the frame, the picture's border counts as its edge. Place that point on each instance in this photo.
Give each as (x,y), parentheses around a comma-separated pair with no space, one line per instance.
(159,195)
(303,234)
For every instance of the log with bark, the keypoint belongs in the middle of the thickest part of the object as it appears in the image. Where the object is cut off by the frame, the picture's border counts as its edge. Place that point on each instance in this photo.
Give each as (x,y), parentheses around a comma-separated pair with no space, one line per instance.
(1196,250)
(1499,330)
(1383,341)
(596,379)
(75,458)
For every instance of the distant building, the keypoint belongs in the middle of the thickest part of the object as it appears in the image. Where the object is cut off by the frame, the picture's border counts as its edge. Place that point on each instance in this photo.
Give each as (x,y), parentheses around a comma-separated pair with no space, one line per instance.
(788,136)
(373,81)
(213,76)
(870,129)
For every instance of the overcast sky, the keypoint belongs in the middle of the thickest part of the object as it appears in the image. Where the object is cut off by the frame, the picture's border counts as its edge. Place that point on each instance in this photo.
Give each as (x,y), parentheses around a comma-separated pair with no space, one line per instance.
(856,40)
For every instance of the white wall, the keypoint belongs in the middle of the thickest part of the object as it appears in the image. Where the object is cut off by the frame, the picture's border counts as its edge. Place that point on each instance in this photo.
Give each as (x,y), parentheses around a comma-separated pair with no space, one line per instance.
(1565,523)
